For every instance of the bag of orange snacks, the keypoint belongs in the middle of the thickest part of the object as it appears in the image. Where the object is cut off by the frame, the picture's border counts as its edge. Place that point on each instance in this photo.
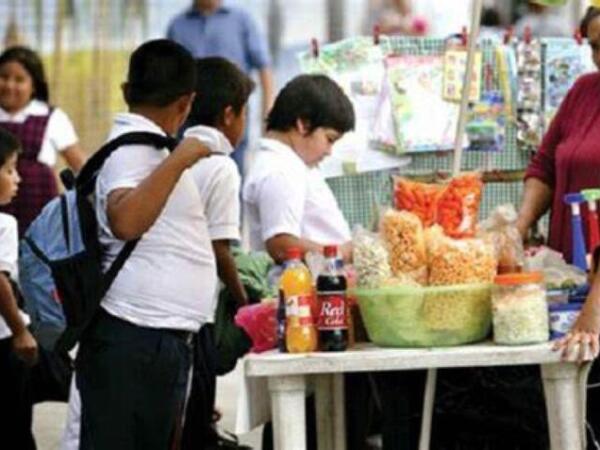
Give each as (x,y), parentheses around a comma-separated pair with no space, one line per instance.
(417,198)
(458,205)
(453,205)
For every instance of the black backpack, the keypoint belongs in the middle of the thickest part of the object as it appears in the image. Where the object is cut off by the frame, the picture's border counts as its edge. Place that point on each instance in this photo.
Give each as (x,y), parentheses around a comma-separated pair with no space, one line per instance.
(60,268)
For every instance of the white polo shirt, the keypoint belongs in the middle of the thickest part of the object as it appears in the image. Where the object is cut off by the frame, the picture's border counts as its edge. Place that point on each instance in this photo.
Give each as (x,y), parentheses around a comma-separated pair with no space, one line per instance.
(283,195)
(170,279)
(9,253)
(218,182)
(59,135)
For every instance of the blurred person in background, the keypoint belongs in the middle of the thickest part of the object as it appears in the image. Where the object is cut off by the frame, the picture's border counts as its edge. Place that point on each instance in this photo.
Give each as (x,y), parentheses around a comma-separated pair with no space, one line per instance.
(212,28)
(43,130)
(393,17)
(543,21)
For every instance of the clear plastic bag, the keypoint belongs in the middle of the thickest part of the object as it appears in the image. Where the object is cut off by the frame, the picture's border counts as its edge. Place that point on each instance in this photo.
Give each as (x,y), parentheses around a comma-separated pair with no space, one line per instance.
(458,205)
(417,198)
(500,229)
(370,258)
(459,261)
(403,234)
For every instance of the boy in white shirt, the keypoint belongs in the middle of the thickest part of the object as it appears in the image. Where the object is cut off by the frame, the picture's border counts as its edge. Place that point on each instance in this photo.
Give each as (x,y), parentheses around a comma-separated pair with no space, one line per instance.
(18,348)
(288,202)
(218,116)
(134,360)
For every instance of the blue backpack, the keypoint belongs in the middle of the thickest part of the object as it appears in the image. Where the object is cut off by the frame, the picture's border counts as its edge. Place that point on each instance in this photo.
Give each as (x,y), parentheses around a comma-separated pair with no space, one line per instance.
(60,270)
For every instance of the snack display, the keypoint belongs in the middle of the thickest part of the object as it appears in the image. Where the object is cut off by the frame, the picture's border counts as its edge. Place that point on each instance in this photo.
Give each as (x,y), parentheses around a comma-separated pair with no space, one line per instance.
(520,311)
(370,259)
(458,205)
(500,228)
(417,198)
(463,261)
(426,316)
(403,233)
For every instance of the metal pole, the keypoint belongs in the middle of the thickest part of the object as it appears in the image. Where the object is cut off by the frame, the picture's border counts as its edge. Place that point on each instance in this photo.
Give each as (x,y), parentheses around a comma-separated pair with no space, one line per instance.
(477,6)
(336,20)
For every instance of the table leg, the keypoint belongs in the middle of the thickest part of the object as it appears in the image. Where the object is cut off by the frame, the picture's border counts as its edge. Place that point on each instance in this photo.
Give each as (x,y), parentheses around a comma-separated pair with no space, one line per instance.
(324,411)
(565,404)
(331,412)
(339,412)
(428,404)
(289,415)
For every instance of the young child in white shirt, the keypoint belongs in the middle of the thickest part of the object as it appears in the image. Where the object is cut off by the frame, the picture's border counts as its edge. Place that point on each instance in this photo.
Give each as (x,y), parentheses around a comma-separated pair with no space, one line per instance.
(218,116)
(18,348)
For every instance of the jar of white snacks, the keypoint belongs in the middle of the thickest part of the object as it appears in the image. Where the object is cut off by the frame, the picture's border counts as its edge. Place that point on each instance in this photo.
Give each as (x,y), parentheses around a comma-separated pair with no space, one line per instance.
(520,310)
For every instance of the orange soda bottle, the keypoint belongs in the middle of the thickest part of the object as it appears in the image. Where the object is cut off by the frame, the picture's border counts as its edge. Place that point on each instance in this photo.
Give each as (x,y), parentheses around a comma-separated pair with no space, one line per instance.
(297,290)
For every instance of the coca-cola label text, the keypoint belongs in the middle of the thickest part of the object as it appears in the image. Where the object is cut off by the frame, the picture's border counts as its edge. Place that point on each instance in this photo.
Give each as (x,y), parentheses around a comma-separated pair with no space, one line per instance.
(332,315)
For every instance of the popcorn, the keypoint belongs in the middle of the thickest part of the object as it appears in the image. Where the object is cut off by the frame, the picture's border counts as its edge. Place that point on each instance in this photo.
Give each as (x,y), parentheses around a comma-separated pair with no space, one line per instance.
(459,261)
(403,233)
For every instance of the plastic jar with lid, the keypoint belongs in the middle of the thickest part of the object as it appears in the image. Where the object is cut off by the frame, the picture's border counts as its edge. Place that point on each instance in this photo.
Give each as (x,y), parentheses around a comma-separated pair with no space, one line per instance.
(520,310)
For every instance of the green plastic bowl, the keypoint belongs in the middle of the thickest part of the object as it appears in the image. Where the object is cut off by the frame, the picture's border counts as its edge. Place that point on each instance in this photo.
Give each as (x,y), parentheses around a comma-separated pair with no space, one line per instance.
(442,316)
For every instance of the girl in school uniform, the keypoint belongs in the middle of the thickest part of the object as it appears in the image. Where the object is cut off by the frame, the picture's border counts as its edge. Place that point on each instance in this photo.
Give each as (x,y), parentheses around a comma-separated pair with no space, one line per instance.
(43,130)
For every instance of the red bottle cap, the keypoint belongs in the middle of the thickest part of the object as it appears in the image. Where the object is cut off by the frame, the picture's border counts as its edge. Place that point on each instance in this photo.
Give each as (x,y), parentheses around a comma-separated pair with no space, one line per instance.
(330,251)
(293,253)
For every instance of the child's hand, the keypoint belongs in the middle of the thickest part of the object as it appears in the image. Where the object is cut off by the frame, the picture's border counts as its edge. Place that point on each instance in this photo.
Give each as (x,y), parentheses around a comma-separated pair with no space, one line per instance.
(25,347)
(191,150)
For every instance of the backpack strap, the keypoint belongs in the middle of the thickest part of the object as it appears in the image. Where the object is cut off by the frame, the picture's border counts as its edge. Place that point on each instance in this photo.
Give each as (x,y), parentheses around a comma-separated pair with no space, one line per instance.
(86,180)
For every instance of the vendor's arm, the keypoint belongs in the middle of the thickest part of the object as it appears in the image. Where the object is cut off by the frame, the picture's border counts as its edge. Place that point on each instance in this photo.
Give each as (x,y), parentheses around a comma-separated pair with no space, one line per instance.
(537,199)
(581,343)
(541,173)
(227,270)
(132,211)
(23,343)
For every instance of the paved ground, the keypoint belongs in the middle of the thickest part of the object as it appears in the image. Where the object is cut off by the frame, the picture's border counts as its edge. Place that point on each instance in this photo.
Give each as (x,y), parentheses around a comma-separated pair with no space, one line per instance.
(49,418)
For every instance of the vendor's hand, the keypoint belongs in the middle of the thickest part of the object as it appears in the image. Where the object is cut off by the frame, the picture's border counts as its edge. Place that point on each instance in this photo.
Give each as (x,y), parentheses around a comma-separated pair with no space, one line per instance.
(25,347)
(581,343)
(191,150)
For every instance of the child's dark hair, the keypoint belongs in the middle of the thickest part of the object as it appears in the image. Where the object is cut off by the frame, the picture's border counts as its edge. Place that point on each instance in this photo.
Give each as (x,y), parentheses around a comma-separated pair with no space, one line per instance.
(9,145)
(589,16)
(32,64)
(219,84)
(315,99)
(160,72)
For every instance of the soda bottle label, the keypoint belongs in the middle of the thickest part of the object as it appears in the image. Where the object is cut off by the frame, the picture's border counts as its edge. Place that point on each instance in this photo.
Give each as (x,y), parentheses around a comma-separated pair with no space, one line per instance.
(332,315)
(298,307)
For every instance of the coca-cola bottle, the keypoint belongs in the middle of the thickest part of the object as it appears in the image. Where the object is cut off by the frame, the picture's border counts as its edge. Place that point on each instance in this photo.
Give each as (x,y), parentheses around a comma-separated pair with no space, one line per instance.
(331,292)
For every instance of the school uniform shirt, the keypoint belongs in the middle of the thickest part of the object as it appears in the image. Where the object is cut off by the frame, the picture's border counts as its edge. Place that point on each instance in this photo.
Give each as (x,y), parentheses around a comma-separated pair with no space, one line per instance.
(59,135)
(169,281)
(9,253)
(282,195)
(218,182)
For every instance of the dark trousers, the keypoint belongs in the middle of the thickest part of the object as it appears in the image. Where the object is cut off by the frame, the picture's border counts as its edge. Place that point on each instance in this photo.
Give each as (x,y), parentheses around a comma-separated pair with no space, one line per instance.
(15,401)
(133,382)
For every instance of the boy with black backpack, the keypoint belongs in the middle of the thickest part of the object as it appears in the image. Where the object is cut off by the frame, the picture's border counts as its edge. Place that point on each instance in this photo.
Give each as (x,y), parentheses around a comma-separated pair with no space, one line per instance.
(18,348)
(134,359)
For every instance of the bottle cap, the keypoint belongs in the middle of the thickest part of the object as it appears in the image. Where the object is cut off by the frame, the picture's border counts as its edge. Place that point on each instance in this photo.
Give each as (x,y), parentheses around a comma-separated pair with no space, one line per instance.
(330,251)
(293,253)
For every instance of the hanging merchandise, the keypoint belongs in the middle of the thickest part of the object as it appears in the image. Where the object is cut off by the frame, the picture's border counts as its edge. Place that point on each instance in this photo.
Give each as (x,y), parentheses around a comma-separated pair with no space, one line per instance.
(564,63)
(486,126)
(356,64)
(455,61)
(424,121)
(507,78)
(529,97)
